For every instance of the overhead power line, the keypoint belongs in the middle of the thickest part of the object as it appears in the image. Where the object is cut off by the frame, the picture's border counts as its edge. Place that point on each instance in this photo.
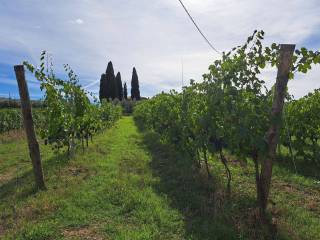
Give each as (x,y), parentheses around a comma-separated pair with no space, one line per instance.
(199,30)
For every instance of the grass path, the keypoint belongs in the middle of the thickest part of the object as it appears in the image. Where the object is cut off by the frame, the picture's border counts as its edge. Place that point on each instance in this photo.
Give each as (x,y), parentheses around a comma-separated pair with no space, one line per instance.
(105,193)
(128,185)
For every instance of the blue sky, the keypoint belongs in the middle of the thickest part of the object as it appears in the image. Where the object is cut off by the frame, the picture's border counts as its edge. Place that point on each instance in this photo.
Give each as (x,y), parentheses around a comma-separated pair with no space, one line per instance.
(154,36)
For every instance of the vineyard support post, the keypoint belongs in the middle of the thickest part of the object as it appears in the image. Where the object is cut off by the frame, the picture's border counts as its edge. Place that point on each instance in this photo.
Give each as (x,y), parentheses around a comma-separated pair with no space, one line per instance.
(272,135)
(29,127)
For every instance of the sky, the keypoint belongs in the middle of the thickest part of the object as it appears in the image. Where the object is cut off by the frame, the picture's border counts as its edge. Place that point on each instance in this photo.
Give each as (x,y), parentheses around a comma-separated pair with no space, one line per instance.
(155,36)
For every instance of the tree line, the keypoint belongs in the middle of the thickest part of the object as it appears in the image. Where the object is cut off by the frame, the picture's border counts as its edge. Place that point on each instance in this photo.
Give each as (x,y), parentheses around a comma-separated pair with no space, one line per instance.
(15,103)
(111,85)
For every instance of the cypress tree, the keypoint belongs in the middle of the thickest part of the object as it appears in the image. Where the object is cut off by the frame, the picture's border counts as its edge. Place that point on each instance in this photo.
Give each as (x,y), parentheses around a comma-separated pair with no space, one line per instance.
(110,82)
(103,87)
(114,89)
(119,86)
(135,92)
(125,91)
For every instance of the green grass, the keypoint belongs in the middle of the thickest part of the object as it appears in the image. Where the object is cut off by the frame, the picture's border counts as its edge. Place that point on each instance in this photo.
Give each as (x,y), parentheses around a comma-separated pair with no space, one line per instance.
(129,185)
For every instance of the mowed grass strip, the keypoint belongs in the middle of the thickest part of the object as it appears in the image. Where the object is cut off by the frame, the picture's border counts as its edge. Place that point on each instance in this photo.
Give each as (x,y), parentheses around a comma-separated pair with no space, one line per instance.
(104,193)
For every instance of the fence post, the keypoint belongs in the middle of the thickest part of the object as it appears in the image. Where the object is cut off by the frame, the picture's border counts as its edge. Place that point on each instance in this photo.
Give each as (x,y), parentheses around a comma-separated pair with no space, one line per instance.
(272,136)
(29,127)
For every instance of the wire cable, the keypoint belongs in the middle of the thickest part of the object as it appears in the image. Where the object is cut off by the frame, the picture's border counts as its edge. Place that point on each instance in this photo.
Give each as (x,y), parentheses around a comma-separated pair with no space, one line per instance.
(199,30)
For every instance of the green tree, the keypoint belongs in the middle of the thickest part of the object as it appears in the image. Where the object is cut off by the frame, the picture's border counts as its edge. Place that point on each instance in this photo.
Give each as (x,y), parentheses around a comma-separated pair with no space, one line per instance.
(135,92)
(119,86)
(103,87)
(125,91)
(110,82)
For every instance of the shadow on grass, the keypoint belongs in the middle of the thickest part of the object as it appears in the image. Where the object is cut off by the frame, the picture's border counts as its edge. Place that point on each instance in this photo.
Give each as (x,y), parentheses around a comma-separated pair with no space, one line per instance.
(20,187)
(306,168)
(207,213)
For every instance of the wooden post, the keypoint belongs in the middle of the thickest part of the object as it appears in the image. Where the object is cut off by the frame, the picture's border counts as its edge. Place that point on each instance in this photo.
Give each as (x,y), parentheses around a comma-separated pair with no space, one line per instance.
(272,136)
(29,127)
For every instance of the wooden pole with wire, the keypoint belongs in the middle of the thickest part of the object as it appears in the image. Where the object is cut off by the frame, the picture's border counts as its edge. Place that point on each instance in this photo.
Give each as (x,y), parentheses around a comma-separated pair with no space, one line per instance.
(272,136)
(29,127)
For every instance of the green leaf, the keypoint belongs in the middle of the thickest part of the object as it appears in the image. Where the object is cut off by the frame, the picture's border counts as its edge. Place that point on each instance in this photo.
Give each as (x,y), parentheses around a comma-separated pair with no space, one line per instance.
(291,75)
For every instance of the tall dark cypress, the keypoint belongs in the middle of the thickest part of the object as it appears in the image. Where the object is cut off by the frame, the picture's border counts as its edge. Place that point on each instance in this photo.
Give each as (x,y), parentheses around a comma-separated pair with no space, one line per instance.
(135,92)
(103,87)
(110,82)
(119,86)
(114,87)
(125,91)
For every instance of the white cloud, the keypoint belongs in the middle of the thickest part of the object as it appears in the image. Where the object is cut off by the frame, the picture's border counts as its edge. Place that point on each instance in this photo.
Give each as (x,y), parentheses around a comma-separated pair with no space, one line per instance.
(152,35)
(77,21)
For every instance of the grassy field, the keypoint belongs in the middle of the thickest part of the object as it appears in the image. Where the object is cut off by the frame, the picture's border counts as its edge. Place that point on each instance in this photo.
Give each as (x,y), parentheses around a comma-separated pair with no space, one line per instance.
(128,185)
